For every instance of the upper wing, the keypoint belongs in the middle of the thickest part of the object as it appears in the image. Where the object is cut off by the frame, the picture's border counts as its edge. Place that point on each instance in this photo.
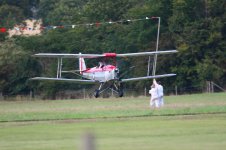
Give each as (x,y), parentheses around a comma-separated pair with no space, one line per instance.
(59,55)
(68,80)
(146,53)
(147,77)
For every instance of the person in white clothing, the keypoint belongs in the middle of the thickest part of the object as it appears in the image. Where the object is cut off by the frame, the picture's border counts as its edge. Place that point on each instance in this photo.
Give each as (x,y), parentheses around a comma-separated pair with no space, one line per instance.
(154,100)
(159,91)
(161,94)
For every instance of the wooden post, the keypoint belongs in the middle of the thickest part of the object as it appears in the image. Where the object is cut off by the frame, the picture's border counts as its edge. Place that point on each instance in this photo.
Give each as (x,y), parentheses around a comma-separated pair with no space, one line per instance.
(88,142)
(145,91)
(209,89)
(1,96)
(208,86)
(84,93)
(212,88)
(31,94)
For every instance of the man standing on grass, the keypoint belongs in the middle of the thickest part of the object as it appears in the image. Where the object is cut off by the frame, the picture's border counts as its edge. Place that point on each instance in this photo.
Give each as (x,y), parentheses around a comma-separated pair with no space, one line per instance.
(160,93)
(154,100)
(156,95)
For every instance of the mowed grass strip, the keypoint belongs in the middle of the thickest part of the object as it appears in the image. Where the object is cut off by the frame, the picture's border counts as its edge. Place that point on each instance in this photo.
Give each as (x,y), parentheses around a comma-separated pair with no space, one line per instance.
(113,123)
(109,108)
(188,132)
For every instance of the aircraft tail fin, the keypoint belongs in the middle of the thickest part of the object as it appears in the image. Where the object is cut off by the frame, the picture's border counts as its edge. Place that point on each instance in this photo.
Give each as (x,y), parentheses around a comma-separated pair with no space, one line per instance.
(82,65)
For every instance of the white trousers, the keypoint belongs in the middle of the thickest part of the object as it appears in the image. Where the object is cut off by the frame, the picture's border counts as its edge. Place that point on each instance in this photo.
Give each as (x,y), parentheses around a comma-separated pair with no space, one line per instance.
(155,103)
(161,101)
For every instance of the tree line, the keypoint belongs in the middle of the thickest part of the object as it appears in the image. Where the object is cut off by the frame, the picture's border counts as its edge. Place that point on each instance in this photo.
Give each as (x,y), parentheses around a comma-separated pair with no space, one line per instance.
(196,28)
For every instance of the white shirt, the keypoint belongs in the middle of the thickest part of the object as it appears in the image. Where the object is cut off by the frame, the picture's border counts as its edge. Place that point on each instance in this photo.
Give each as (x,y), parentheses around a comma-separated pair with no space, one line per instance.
(153,93)
(160,90)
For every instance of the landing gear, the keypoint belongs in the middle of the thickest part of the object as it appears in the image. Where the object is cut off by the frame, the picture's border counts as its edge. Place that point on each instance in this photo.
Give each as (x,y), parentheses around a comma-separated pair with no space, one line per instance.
(120,93)
(97,93)
(120,90)
(115,87)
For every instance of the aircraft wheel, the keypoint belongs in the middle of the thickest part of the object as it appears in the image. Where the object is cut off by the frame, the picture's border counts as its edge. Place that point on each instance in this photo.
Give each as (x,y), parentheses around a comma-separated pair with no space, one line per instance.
(120,93)
(97,93)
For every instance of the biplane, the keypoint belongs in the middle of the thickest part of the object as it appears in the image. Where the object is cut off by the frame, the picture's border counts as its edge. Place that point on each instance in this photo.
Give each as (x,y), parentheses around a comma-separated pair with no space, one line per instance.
(102,74)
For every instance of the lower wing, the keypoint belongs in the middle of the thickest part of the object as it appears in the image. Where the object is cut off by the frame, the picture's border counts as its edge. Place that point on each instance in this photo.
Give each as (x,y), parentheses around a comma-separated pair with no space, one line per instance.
(67,80)
(147,77)
(93,81)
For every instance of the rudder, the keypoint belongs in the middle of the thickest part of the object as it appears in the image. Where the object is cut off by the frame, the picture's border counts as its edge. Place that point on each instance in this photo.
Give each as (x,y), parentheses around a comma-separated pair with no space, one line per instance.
(82,65)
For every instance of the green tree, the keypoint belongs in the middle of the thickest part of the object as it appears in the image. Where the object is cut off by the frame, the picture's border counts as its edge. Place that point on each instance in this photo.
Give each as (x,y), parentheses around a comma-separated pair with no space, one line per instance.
(198,35)
(10,15)
(60,12)
(16,67)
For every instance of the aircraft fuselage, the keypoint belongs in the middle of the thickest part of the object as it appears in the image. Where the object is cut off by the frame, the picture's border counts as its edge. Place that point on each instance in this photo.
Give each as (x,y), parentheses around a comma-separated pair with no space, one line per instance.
(101,74)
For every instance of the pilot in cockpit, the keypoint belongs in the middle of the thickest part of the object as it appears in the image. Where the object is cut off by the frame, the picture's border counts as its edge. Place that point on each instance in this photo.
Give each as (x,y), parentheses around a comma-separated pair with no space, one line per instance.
(101,64)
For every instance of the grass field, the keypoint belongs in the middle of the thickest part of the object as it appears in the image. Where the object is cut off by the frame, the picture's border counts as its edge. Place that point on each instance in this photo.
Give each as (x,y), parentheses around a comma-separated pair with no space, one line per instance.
(186,122)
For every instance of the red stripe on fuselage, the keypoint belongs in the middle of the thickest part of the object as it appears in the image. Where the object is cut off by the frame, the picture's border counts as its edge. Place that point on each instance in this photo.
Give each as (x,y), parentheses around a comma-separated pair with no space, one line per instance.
(97,69)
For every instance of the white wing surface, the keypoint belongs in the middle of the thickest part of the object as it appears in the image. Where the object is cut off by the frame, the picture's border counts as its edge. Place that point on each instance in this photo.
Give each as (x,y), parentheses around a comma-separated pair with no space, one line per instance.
(59,55)
(147,77)
(67,80)
(146,53)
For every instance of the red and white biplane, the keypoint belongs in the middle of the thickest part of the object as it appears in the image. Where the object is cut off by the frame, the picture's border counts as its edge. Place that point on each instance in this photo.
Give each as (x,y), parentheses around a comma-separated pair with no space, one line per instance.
(102,74)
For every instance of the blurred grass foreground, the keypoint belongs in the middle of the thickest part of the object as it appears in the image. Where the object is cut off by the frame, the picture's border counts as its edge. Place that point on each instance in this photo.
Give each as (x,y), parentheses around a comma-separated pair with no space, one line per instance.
(185,122)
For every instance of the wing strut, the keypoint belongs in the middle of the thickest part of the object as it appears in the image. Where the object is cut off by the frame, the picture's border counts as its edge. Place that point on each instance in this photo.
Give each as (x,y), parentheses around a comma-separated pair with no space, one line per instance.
(59,67)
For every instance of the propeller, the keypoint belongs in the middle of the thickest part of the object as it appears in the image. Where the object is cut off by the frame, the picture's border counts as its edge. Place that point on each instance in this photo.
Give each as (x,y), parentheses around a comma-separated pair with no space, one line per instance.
(76,72)
(125,73)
